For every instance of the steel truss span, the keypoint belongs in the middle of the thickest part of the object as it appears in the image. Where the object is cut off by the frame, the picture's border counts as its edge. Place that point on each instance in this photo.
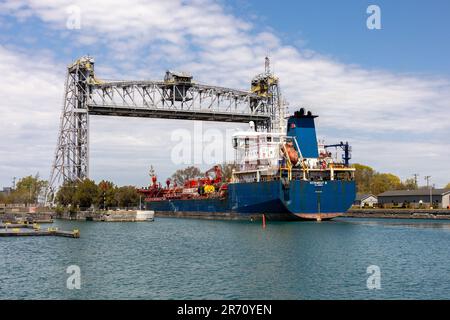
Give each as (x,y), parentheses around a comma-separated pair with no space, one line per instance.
(177,97)
(177,100)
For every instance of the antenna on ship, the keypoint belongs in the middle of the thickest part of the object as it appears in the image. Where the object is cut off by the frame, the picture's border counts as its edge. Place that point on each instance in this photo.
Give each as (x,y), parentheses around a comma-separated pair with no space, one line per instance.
(267,65)
(151,171)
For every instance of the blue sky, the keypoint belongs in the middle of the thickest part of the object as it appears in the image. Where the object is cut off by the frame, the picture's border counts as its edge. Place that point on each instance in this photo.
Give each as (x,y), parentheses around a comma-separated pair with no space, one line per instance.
(385,91)
(414,35)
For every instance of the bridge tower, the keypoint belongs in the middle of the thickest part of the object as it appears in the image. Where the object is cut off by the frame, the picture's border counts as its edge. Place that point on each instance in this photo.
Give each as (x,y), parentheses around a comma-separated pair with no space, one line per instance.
(267,85)
(71,161)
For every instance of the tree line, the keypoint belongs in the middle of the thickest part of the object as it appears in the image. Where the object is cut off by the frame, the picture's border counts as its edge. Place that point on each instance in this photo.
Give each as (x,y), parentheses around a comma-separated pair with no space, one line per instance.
(82,194)
(28,190)
(104,195)
(370,181)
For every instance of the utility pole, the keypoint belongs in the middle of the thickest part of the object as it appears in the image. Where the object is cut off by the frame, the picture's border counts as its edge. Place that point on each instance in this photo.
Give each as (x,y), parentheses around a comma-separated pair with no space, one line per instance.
(14,183)
(428,179)
(431,190)
(415,175)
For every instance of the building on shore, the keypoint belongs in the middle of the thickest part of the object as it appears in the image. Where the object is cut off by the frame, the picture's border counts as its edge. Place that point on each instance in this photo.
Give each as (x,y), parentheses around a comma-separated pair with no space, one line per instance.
(440,198)
(365,200)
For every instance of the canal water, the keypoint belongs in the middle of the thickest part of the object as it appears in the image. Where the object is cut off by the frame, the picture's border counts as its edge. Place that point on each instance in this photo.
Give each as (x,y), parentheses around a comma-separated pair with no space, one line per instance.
(200,259)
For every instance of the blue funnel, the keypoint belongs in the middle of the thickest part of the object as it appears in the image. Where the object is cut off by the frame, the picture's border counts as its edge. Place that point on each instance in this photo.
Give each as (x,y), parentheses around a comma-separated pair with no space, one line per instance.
(301,126)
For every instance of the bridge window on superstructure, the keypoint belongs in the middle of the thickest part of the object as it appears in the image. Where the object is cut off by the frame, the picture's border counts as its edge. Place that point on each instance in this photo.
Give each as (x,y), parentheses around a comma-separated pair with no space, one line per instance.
(246,142)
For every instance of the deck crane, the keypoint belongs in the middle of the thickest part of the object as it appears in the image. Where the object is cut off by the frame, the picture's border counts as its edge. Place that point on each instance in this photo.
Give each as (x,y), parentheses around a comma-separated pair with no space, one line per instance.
(217,170)
(345,147)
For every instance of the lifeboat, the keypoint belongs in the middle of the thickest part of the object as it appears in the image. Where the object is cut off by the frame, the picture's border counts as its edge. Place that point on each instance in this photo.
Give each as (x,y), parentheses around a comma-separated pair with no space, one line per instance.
(291,153)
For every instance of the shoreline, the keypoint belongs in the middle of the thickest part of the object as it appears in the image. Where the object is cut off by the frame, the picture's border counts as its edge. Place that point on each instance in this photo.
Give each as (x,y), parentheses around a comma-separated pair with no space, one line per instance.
(431,214)
(49,217)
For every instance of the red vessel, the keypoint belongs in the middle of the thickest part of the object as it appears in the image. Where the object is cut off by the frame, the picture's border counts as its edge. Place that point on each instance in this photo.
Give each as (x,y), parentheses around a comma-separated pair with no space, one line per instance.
(199,188)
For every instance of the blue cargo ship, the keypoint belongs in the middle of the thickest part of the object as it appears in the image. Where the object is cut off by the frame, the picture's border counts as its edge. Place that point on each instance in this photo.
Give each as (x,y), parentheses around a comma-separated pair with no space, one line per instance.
(284,175)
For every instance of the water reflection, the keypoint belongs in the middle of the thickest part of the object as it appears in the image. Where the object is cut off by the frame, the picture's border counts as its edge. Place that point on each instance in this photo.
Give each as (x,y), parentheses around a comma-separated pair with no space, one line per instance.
(389,222)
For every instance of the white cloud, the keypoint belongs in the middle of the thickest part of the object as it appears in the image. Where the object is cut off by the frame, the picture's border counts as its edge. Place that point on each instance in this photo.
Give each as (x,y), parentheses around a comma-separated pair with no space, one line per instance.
(219,48)
(29,94)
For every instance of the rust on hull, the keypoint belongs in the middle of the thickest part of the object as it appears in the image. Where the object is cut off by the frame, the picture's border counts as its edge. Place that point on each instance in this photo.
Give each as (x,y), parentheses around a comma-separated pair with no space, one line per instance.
(318,216)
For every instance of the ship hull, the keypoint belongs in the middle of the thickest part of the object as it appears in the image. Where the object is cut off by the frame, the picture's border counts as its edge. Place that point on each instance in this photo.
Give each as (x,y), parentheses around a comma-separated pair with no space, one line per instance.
(276,200)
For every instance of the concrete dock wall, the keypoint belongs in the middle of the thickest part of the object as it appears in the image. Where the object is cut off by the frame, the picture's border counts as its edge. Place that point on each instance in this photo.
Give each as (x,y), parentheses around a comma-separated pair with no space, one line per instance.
(106,216)
(400,213)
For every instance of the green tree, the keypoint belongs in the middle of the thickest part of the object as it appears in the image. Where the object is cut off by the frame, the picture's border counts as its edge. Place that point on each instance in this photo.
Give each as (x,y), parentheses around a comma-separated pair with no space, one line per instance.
(363,177)
(86,193)
(66,194)
(409,184)
(127,196)
(107,195)
(181,175)
(447,186)
(28,190)
(382,182)
(2,198)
